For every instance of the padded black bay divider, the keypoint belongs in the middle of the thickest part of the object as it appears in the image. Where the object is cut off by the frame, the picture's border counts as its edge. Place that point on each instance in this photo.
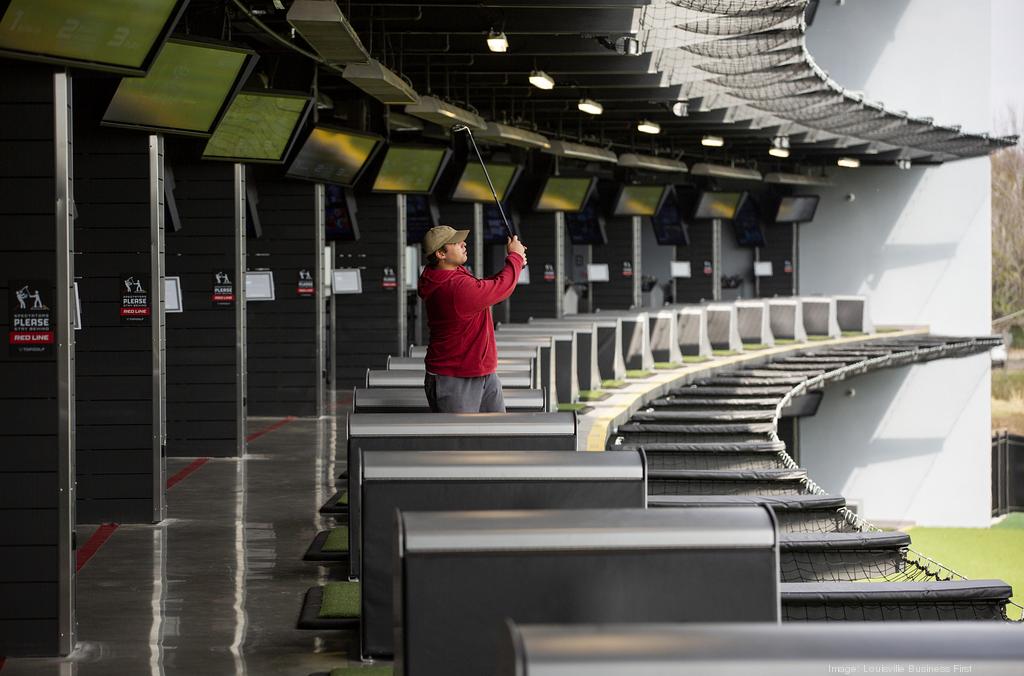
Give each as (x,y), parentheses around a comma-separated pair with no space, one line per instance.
(807,513)
(368,322)
(778,249)
(776,650)
(895,601)
(610,362)
(588,374)
(114,455)
(565,359)
(698,286)
(281,333)
(414,400)
(202,368)
(617,292)
(538,298)
(29,443)
(414,481)
(510,375)
(841,557)
(461,574)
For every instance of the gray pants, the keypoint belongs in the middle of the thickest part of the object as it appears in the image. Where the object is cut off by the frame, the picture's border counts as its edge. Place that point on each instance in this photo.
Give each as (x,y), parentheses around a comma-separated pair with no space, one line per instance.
(450,394)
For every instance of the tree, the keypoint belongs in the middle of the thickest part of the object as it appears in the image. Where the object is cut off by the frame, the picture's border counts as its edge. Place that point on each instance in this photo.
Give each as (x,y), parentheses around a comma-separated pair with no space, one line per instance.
(1008,226)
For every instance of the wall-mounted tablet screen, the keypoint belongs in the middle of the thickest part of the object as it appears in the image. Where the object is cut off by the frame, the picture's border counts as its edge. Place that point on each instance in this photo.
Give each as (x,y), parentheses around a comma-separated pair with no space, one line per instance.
(749,224)
(723,205)
(763,268)
(411,169)
(185,92)
(670,227)
(330,155)
(680,269)
(421,214)
(639,200)
(797,209)
(346,280)
(587,226)
(259,285)
(123,36)
(172,295)
(258,127)
(340,223)
(564,194)
(598,272)
(472,185)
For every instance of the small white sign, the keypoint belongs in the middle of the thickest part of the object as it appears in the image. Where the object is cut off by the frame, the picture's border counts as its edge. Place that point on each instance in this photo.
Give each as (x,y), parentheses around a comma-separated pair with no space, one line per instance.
(259,285)
(598,272)
(762,268)
(681,269)
(524,276)
(346,281)
(172,294)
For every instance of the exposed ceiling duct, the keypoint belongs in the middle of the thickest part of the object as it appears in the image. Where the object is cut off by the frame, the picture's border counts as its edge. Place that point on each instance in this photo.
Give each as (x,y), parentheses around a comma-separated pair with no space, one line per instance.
(379,82)
(433,109)
(652,163)
(327,31)
(579,151)
(514,136)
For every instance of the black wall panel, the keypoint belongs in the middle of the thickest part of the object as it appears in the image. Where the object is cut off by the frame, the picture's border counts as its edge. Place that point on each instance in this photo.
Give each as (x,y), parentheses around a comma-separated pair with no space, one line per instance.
(115,399)
(29,462)
(538,298)
(779,249)
(368,322)
(202,365)
(617,292)
(281,334)
(699,286)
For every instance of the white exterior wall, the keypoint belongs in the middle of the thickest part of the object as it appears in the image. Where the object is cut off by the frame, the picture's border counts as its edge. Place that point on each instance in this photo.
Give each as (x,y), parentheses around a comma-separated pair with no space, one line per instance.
(912,444)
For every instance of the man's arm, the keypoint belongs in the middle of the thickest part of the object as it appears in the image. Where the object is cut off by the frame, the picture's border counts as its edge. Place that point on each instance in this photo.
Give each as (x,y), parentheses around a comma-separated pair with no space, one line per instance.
(483,293)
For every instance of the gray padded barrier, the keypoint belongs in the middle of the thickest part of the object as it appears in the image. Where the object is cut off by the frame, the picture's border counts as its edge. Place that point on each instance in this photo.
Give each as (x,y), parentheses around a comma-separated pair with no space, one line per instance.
(511,375)
(820,316)
(565,361)
(636,336)
(793,513)
(429,481)
(723,329)
(664,330)
(752,322)
(786,319)
(506,365)
(588,345)
(852,314)
(371,432)
(745,649)
(692,321)
(548,353)
(414,400)
(461,574)
(610,362)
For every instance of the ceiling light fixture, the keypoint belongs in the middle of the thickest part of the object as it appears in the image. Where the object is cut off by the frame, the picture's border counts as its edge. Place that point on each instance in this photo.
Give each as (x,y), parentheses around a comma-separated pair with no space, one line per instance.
(725,171)
(497,42)
(652,163)
(648,127)
(779,152)
(780,147)
(590,106)
(579,151)
(903,164)
(848,162)
(514,136)
(541,80)
(712,141)
(433,109)
(680,108)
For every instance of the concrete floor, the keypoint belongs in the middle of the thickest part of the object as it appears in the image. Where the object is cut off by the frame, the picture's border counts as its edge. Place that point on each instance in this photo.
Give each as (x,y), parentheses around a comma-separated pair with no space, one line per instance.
(216,588)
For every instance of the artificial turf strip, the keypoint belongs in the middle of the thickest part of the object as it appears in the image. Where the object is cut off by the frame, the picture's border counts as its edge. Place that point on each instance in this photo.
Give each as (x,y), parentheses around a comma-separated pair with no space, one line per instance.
(1012,521)
(343,500)
(723,353)
(569,408)
(638,373)
(851,334)
(785,341)
(819,338)
(978,553)
(666,365)
(694,358)
(612,384)
(754,346)
(341,600)
(337,540)
(376,670)
(593,395)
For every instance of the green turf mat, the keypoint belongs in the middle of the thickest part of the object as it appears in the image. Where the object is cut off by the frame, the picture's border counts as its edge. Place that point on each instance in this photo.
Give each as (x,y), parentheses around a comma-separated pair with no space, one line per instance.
(887,329)
(593,395)
(1012,521)
(612,384)
(343,500)
(695,359)
(851,334)
(638,373)
(819,337)
(341,600)
(724,353)
(569,408)
(754,346)
(666,365)
(785,341)
(337,540)
(363,671)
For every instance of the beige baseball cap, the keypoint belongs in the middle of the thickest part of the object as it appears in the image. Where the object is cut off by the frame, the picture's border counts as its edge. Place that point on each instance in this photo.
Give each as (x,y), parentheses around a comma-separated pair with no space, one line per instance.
(438,236)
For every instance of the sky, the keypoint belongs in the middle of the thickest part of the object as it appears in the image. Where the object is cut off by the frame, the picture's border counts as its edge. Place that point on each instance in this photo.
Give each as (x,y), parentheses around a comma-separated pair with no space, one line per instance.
(1007,64)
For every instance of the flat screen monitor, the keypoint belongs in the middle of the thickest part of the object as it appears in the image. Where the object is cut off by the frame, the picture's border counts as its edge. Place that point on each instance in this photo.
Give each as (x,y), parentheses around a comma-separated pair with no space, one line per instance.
(411,169)
(723,205)
(472,185)
(640,200)
(749,224)
(258,127)
(185,92)
(598,272)
(670,227)
(346,281)
(330,155)
(172,295)
(494,226)
(797,209)
(561,193)
(259,285)
(587,226)
(421,214)
(122,36)
(340,223)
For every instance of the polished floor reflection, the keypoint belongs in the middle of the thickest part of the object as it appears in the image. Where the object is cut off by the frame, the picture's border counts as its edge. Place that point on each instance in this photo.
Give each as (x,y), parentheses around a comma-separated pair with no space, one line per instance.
(216,588)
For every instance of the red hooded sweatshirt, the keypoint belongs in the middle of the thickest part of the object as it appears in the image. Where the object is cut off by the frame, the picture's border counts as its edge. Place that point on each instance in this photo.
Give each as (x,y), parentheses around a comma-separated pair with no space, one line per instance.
(459,317)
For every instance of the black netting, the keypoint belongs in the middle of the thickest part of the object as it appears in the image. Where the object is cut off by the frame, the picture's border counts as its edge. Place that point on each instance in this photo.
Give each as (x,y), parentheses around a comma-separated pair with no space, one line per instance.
(820,111)
(718,461)
(743,23)
(751,64)
(736,6)
(771,92)
(800,102)
(812,521)
(722,487)
(893,612)
(652,439)
(745,45)
(707,415)
(762,78)
(685,403)
(840,566)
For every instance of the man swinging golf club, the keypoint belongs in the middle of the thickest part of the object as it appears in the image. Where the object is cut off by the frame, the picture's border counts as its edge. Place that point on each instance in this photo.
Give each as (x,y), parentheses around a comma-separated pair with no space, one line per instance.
(462,357)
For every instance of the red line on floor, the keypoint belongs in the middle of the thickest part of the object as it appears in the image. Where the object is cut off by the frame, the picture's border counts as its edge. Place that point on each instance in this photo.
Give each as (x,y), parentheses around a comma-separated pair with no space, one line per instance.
(185,471)
(267,430)
(92,545)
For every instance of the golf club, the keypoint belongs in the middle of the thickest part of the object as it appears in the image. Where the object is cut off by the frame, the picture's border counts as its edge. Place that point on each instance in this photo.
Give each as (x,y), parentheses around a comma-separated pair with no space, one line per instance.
(501,210)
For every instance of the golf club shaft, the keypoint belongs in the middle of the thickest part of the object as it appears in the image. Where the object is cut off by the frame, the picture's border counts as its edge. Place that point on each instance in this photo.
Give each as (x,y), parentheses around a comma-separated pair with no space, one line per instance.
(490,185)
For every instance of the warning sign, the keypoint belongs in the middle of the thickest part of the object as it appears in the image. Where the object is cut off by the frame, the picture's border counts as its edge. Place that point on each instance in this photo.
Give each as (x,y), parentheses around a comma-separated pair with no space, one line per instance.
(32,331)
(627,268)
(223,294)
(549,272)
(305,286)
(389,280)
(135,306)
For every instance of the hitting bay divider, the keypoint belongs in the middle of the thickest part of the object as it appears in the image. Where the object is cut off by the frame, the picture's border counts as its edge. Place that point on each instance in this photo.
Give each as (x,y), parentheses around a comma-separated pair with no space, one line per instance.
(565,346)
(414,400)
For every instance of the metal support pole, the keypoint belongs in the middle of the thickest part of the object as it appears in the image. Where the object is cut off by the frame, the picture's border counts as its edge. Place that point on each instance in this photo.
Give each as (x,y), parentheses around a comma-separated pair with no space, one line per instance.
(158,325)
(332,314)
(559,264)
(241,380)
(403,329)
(794,260)
(637,261)
(757,280)
(716,259)
(478,239)
(318,282)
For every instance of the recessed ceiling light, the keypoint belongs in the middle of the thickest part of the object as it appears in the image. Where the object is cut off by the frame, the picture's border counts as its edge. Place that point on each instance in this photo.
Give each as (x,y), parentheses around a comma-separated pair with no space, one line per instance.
(541,80)
(712,141)
(590,106)
(648,127)
(848,162)
(497,42)
(778,152)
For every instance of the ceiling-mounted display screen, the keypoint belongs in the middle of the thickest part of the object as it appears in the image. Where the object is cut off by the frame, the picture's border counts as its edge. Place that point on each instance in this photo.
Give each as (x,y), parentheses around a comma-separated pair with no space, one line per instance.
(749,224)
(185,92)
(331,155)
(411,169)
(421,214)
(639,200)
(564,194)
(723,205)
(340,223)
(587,226)
(797,209)
(122,36)
(472,185)
(258,127)
(669,223)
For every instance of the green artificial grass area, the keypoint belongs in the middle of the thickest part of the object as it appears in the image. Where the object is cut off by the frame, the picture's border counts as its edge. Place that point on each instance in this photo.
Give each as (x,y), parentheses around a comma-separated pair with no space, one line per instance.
(1007,385)
(851,334)
(612,384)
(979,553)
(817,338)
(577,407)
(666,365)
(593,395)
(341,600)
(754,346)
(376,670)
(695,359)
(724,353)
(639,373)
(887,329)
(343,500)
(785,341)
(337,540)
